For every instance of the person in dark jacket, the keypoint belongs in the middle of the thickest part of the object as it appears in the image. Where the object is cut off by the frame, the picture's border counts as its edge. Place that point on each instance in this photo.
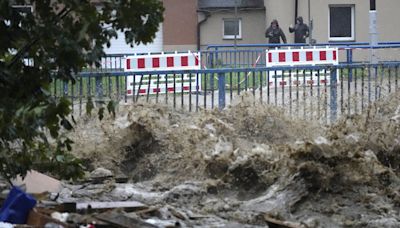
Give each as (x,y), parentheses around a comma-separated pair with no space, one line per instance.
(274,33)
(301,31)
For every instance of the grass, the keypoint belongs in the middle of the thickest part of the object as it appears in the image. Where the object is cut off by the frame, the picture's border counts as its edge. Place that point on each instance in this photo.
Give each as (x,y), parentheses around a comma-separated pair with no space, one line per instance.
(111,86)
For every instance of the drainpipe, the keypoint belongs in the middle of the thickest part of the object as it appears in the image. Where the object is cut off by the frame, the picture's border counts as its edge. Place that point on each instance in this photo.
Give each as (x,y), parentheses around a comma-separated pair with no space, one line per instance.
(207,14)
(373,30)
(310,24)
(296,7)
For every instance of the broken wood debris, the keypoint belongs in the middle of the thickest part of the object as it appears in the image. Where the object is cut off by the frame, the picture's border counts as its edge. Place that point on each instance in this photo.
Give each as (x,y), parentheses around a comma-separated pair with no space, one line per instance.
(276,223)
(120,220)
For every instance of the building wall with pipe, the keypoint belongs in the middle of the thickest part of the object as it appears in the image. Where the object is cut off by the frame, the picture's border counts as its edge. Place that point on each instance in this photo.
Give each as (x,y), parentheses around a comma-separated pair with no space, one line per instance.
(388,17)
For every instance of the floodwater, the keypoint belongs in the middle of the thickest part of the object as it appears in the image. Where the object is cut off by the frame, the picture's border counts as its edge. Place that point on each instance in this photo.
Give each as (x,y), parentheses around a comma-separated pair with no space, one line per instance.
(246,164)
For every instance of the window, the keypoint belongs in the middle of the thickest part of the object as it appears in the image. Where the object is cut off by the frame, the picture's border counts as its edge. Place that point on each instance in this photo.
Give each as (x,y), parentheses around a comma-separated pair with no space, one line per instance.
(232,27)
(341,22)
(23,10)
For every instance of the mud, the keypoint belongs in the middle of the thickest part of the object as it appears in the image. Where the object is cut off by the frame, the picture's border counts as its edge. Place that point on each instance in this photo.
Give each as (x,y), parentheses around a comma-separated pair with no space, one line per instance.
(247,162)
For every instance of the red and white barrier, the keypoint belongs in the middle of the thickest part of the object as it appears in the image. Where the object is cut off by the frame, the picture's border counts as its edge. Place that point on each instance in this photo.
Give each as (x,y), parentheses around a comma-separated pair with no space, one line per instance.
(301,57)
(161,83)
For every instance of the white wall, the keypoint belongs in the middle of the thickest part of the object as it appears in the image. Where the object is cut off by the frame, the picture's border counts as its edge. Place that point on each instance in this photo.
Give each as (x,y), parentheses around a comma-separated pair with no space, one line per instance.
(119,46)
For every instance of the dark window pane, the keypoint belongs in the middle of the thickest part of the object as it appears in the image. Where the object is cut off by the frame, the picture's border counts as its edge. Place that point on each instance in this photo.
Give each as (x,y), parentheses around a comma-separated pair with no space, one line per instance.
(231,27)
(22,9)
(340,21)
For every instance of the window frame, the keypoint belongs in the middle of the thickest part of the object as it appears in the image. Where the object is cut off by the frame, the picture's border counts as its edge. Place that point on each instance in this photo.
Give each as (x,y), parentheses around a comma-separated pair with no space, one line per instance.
(232,37)
(23,7)
(350,38)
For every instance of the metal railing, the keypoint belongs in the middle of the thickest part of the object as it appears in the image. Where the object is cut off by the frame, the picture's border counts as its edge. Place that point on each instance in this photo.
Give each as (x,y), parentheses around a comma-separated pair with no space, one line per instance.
(329,93)
(253,55)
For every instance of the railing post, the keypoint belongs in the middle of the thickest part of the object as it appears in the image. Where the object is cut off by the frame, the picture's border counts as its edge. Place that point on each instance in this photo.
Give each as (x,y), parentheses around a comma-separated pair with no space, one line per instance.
(99,86)
(333,100)
(221,90)
(216,57)
(349,52)
(65,85)
(214,65)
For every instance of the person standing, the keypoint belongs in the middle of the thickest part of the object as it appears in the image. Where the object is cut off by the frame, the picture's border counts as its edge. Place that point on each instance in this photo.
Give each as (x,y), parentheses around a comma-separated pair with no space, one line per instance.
(274,33)
(301,31)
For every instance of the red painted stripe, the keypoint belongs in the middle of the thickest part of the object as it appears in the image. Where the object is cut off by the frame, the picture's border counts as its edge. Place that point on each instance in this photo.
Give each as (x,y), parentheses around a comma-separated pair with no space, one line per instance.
(186,88)
(170,61)
(323,81)
(310,82)
(142,91)
(129,91)
(155,90)
(282,83)
(196,60)
(309,56)
(334,55)
(184,61)
(270,57)
(322,55)
(296,56)
(170,89)
(141,63)
(156,62)
(128,64)
(282,57)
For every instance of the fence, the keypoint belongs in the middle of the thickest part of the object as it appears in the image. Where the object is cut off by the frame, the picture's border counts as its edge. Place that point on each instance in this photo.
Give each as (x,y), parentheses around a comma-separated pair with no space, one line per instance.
(252,55)
(220,87)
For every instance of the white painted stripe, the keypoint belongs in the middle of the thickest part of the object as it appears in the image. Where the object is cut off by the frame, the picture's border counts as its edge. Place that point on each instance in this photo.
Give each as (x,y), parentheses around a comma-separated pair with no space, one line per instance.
(316,57)
(148,63)
(302,56)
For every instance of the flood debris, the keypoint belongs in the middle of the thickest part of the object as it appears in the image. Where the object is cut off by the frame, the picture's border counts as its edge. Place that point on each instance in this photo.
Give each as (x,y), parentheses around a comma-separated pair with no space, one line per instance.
(246,166)
(36,182)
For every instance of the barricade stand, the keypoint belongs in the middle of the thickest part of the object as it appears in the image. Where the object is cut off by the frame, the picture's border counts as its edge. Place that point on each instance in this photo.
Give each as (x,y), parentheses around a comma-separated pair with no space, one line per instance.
(162,83)
(301,57)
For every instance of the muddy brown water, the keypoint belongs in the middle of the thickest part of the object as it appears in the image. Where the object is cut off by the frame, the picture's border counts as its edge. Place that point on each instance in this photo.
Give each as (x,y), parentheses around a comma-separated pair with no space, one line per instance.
(248,161)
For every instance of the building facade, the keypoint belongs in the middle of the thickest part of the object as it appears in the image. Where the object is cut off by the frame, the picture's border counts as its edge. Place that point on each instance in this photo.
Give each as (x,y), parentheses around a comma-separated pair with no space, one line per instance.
(178,32)
(337,20)
(180,25)
(220,22)
(195,24)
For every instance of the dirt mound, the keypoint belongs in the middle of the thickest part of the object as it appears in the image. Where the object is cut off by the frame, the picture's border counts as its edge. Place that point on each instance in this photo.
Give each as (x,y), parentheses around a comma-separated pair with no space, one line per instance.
(261,161)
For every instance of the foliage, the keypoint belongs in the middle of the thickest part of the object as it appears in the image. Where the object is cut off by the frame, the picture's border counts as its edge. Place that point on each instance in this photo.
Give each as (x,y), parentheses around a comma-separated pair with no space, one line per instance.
(56,40)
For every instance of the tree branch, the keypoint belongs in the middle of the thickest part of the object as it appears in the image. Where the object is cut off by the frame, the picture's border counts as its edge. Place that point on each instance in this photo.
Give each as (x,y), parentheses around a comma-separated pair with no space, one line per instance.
(63,13)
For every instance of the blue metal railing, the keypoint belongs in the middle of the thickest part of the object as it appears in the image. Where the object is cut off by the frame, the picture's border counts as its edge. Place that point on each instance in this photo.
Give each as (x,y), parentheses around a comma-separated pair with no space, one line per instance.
(335,44)
(321,92)
(246,55)
(220,55)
